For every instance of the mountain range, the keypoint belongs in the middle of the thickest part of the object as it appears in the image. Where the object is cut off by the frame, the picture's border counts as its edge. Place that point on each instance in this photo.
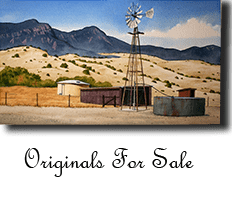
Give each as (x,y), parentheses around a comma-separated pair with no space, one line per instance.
(90,41)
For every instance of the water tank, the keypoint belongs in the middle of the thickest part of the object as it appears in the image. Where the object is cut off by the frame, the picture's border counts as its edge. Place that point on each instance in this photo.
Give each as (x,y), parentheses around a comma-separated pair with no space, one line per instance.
(179,106)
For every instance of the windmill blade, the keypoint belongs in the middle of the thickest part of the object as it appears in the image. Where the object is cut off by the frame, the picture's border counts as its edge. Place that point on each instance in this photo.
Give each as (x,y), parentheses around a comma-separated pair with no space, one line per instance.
(137,21)
(128,20)
(150,13)
(128,13)
(129,9)
(129,23)
(139,16)
(139,12)
(138,8)
(128,16)
(133,24)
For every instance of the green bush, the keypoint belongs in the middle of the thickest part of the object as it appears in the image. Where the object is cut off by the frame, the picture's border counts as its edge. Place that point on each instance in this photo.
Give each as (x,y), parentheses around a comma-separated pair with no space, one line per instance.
(16,56)
(20,76)
(111,67)
(125,79)
(169,85)
(48,66)
(86,72)
(212,91)
(157,79)
(83,66)
(64,65)
(45,55)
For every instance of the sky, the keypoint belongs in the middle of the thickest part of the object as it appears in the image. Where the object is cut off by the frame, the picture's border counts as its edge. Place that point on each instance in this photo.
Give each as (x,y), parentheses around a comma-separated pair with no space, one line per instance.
(176,24)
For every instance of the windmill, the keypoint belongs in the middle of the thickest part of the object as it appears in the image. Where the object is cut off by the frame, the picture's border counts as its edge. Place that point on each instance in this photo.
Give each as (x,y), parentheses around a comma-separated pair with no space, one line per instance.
(131,92)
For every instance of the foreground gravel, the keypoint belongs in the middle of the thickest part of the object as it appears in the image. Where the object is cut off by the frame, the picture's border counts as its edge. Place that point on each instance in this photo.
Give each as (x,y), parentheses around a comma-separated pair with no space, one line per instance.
(26,115)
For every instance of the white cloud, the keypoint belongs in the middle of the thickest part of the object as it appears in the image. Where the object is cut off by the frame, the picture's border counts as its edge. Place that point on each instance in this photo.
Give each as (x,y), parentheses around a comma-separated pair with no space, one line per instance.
(7,18)
(193,28)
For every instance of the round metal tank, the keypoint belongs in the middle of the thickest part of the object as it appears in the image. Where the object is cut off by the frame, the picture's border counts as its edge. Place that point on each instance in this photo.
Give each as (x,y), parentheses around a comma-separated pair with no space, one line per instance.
(179,106)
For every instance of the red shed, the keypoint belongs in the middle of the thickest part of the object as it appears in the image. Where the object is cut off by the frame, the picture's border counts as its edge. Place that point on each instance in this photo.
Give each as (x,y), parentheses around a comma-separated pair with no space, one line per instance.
(105,94)
(187,92)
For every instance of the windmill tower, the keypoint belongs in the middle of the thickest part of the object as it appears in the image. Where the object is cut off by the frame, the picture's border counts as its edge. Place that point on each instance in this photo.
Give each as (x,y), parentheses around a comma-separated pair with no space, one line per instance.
(132,97)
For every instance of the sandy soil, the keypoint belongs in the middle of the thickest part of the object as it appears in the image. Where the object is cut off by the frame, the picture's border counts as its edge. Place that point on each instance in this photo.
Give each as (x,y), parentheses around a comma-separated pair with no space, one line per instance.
(25,115)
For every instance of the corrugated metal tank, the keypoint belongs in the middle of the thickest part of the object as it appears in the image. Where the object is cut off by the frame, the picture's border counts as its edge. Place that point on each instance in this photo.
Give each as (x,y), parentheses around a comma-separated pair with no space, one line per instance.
(179,106)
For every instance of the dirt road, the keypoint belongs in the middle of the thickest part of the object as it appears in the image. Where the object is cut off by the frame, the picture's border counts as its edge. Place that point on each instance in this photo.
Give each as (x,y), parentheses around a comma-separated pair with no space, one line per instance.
(98,116)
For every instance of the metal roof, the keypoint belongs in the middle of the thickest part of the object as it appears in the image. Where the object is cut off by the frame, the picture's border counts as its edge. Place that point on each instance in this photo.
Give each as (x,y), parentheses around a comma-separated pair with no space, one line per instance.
(184,89)
(110,88)
(75,82)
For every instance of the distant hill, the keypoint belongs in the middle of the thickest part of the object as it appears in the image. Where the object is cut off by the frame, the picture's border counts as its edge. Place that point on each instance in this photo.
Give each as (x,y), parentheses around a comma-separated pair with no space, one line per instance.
(90,41)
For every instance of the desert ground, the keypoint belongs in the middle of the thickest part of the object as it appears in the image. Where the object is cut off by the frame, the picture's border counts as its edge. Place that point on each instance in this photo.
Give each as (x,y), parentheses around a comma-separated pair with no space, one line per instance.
(25,115)
(204,77)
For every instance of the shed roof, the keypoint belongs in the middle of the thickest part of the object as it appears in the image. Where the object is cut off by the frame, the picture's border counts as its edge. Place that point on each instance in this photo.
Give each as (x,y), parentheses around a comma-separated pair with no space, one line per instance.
(187,89)
(75,82)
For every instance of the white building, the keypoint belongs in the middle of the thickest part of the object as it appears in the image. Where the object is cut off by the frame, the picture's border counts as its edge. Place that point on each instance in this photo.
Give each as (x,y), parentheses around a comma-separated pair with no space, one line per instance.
(71,87)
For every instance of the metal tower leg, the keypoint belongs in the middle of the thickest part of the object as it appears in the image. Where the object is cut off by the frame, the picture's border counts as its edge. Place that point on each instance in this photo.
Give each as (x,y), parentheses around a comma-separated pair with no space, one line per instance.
(134,67)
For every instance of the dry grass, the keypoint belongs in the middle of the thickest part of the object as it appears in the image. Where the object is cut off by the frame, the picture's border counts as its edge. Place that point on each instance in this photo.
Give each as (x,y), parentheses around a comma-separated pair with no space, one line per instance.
(47,97)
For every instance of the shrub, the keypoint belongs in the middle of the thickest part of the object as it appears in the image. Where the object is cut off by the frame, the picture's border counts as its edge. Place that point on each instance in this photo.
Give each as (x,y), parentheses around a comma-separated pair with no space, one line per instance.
(16,56)
(208,77)
(49,65)
(204,81)
(47,74)
(66,70)
(119,70)
(212,91)
(151,66)
(86,72)
(169,85)
(176,77)
(125,79)
(111,67)
(45,55)
(157,79)
(83,66)
(20,76)
(64,65)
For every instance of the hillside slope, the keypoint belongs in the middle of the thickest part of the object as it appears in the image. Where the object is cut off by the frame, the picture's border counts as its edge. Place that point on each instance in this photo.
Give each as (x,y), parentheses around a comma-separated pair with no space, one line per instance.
(203,76)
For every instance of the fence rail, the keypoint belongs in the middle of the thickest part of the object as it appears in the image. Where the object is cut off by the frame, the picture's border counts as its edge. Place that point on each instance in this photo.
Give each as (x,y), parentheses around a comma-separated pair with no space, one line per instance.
(13,99)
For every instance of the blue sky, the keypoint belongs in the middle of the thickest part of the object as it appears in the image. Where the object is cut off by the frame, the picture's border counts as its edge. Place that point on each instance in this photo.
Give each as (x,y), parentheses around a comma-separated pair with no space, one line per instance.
(176,24)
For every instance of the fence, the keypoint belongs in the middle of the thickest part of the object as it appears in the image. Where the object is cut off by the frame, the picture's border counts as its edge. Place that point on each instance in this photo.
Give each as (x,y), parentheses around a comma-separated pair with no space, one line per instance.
(42,100)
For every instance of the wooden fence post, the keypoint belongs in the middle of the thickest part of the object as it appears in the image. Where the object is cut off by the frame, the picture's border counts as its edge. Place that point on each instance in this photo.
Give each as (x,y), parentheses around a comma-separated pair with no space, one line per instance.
(114,101)
(37,99)
(207,101)
(69,100)
(5,98)
(103,100)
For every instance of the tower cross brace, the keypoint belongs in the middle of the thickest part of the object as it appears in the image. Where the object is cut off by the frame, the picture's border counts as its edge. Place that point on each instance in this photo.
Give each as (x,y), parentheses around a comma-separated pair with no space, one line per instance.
(134,73)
